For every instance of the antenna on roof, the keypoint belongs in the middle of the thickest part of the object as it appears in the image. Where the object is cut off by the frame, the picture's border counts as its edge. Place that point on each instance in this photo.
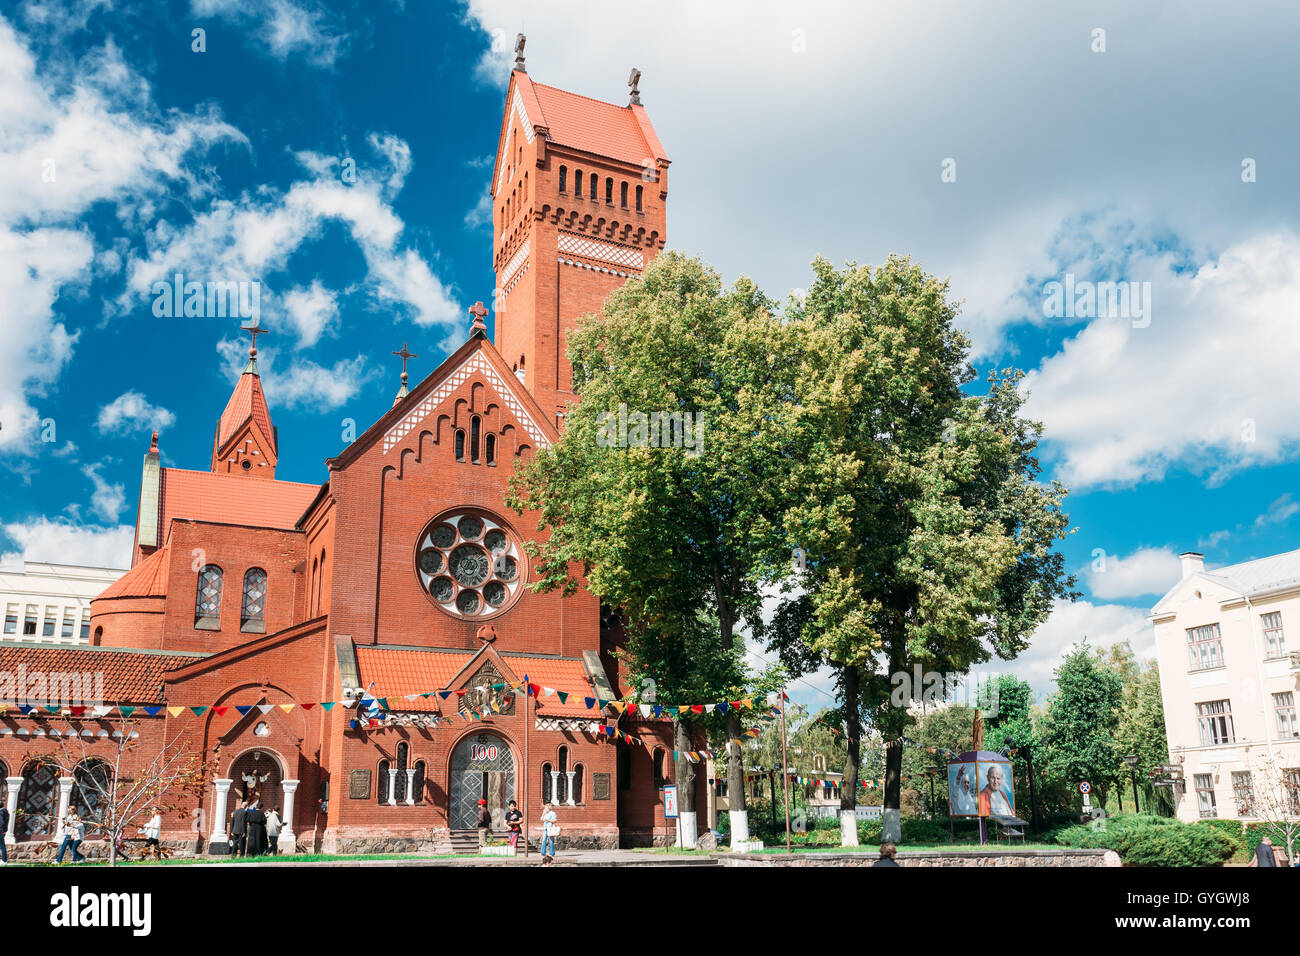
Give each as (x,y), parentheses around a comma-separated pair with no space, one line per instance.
(520,40)
(632,81)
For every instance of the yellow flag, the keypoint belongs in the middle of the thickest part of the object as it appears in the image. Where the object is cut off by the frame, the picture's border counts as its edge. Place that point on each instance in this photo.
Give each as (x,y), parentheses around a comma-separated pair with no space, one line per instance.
(174,711)
(286,707)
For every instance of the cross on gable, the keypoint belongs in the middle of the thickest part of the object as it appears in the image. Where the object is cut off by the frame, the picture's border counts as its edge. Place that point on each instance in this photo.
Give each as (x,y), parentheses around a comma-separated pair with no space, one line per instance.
(479,311)
(254,331)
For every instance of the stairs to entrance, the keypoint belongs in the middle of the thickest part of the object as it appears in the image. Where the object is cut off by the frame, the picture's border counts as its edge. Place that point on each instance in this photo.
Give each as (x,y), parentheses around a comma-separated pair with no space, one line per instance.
(466,841)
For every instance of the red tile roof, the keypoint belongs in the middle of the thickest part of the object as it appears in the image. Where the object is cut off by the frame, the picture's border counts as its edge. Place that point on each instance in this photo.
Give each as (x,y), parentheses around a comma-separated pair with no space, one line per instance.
(247,401)
(146,579)
(595,126)
(130,676)
(232,499)
(398,671)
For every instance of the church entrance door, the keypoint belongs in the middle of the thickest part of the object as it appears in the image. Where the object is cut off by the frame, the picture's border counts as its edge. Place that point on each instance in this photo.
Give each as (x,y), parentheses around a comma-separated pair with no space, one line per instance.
(482,768)
(256,776)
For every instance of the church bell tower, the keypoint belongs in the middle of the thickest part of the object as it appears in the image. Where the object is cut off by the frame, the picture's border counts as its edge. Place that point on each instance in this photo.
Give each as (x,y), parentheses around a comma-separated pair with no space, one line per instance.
(579,196)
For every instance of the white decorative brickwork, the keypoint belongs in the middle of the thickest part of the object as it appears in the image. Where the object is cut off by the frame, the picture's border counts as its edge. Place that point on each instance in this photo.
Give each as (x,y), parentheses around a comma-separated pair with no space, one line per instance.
(624,256)
(517,260)
(475,363)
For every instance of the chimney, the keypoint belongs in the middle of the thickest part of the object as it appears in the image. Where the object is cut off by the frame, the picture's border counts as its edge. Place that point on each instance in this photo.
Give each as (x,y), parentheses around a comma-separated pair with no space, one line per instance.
(1193,563)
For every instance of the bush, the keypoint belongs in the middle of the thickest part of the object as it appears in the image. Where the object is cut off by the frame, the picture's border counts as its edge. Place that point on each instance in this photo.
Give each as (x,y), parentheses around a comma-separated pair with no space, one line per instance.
(1232,829)
(1192,845)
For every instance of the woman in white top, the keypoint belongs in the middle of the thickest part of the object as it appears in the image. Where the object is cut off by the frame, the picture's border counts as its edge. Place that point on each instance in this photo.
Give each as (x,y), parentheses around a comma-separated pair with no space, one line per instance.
(152,832)
(549,829)
(273,826)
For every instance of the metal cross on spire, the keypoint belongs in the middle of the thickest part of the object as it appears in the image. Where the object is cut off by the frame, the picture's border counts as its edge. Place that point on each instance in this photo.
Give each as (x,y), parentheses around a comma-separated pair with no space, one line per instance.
(404,355)
(254,331)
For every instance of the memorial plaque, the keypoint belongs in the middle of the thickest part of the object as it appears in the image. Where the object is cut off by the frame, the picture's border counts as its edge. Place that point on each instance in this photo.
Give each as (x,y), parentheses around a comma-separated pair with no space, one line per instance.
(600,786)
(359,785)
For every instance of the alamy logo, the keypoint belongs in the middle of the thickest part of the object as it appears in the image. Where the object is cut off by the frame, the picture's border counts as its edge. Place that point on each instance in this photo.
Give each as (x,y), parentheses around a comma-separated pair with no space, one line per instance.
(26,688)
(206,300)
(1084,299)
(75,909)
(624,429)
(935,687)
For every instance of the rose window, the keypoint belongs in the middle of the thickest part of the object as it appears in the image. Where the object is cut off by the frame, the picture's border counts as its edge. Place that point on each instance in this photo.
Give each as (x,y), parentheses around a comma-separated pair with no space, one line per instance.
(470,564)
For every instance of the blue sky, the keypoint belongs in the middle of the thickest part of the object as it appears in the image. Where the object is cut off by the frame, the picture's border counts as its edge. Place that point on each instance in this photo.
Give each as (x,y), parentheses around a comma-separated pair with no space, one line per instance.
(794,130)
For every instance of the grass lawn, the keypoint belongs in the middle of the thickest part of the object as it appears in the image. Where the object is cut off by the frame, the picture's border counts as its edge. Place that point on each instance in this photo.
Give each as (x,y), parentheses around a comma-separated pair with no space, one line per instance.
(279,858)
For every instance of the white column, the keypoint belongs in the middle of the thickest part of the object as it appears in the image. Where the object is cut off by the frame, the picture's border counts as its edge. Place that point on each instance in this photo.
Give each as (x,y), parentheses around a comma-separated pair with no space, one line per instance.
(11,804)
(218,837)
(392,786)
(287,842)
(65,796)
(555,786)
(410,787)
(569,774)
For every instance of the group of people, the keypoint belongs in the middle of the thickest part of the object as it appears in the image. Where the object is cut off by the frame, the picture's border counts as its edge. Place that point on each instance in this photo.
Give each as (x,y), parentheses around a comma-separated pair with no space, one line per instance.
(514,820)
(74,834)
(254,831)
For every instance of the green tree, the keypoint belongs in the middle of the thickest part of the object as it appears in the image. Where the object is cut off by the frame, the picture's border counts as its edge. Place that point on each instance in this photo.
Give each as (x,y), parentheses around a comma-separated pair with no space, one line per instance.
(1081,721)
(1141,731)
(665,533)
(929,538)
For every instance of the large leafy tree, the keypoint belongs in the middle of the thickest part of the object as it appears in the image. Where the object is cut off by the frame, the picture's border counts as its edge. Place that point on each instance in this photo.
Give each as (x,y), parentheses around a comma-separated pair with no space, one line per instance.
(1081,722)
(668,533)
(930,539)
(1141,730)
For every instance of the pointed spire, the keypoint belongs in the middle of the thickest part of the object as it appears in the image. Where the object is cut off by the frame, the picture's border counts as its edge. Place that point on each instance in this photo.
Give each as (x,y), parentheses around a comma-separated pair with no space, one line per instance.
(403,355)
(254,331)
(479,328)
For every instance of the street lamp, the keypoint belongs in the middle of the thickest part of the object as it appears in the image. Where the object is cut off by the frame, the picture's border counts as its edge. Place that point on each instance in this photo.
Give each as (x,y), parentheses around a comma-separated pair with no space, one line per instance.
(1029,763)
(1132,762)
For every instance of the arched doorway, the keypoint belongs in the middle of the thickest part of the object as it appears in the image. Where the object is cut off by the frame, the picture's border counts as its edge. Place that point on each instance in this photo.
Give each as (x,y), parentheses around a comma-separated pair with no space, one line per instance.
(257,776)
(482,768)
(36,801)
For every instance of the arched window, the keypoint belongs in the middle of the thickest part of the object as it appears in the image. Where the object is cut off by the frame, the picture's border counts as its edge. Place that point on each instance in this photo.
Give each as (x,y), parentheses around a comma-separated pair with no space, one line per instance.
(657,759)
(36,801)
(417,782)
(207,600)
(622,194)
(320,586)
(577,783)
(252,616)
(99,635)
(609,190)
(577,183)
(639,191)
(381,785)
(92,783)
(595,180)
(564,175)
(490,449)
(400,789)
(474,426)
(548,795)
(460,444)
(562,784)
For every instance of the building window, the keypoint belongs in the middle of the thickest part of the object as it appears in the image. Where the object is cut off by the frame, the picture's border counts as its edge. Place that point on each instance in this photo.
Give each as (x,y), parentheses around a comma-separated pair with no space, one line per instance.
(400,789)
(474,426)
(1214,720)
(594,181)
(609,190)
(381,787)
(417,782)
(37,808)
(657,765)
(1284,712)
(85,627)
(91,786)
(1291,783)
(1243,793)
(640,190)
(207,601)
(11,622)
(1205,795)
(548,790)
(29,621)
(460,444)
(1204,647)
(622,194)
(577,183)
(1274,642)
(253,615)
(577,783)
(51,619)
(564,175)
(69,625)
(562,781)
(490,449)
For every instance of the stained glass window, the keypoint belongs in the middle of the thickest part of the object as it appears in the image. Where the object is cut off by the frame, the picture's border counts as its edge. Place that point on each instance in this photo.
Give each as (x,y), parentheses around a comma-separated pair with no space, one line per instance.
(253,615)
(469,564)
(36,806)
(91,783)
(207,602)
(381,788)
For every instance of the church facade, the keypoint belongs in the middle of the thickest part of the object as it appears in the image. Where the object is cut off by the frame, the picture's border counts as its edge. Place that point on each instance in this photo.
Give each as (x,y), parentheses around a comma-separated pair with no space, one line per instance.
(263,615)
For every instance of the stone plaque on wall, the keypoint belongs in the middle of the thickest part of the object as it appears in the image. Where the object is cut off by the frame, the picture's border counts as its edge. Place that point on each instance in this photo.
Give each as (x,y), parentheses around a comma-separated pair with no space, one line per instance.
(600,786)
(359,785)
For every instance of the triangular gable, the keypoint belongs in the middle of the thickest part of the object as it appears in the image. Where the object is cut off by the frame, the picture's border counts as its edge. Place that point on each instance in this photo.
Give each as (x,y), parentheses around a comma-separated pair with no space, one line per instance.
(481,359)
(274,716)
(487,653)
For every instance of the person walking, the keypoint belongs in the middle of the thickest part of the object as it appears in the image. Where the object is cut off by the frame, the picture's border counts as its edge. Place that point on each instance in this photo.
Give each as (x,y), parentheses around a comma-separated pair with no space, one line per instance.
(152,832)
(4,830)
(549,831)
(887,853)
(273,825)
(514,822)
(74,831)
(238,829)
(484,823)
(1267,855)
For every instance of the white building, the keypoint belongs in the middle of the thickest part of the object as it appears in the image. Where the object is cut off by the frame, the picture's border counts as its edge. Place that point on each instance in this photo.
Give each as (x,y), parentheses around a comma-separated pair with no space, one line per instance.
(1228,644)
(51,602)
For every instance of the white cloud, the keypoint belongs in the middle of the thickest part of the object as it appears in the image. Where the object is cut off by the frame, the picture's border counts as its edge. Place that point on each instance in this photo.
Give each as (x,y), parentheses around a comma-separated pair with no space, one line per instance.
(303,383)
(1102,624)
(311,311)
(66,542)
(1209,385)
(481,214)
(1145,571)
(282,27)
(108,499)
(1279,512)
(131,411)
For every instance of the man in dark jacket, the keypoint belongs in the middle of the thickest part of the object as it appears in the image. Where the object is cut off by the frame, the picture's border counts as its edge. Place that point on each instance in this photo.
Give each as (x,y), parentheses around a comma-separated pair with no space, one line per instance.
(1265,854)
(254,830)
(238,830)
(4,831)
(887,851)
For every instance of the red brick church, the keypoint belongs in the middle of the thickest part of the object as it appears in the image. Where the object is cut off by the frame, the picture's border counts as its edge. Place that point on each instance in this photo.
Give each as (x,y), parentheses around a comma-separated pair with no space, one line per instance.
(402,574)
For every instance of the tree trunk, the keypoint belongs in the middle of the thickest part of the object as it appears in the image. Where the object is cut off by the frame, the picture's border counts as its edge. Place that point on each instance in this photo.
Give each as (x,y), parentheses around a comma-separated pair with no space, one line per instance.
(684,777)
(892,829)
(849,784)
(737,816)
